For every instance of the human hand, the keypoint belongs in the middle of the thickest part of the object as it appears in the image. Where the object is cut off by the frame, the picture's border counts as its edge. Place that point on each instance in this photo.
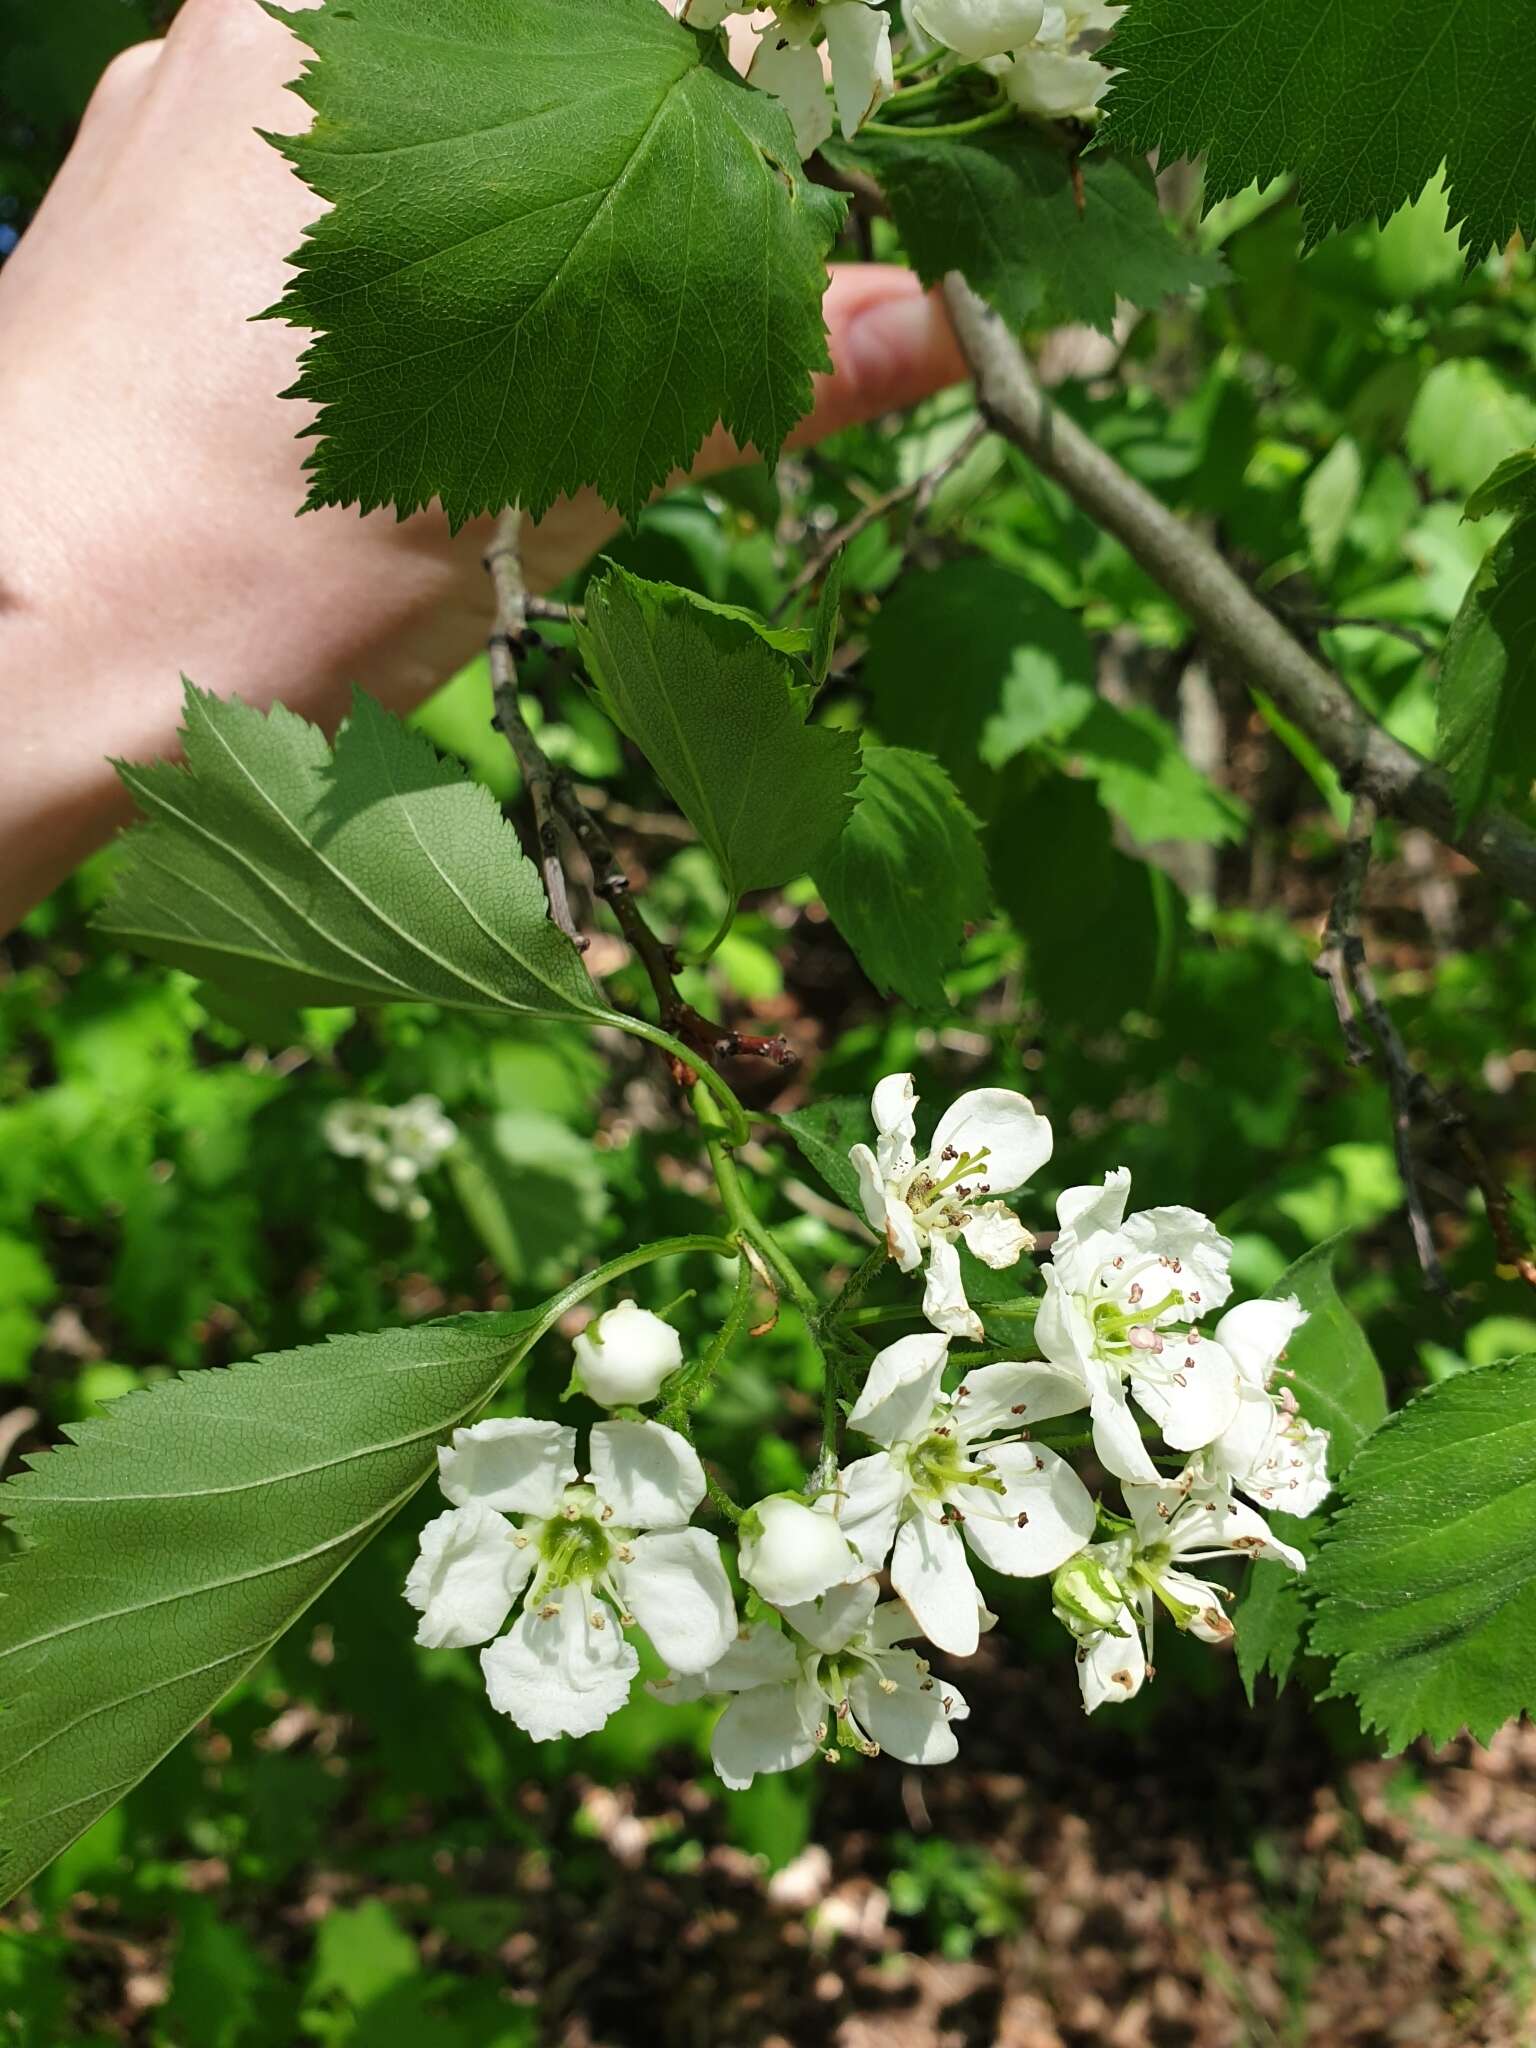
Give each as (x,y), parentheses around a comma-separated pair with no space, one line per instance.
(147,527)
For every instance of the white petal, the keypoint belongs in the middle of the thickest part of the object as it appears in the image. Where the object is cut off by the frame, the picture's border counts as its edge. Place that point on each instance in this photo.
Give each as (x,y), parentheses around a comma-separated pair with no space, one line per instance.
(1083,1211)
(901,1235)
(1002,1122)
(792,72)
(978,28)
(1153,1508)
(1063,1329)
(872,1491)
(996,1236)
(930,1571)
(1008,1397)
(1210,1621)
(771,1728)
(893,1106)
(1256,1332)
(944,1302)
(1193,1396)
(511,1463)
(561,1674)
(832,1622)
(895,1623)
(676,1588)
(1204,1255)
(1243,1530)
(760,1655)
(466,1576)
(1112,1668)
(624,1355)
(649,1475)
(1044,1517)
(1055,83)
(859,45)
(909,1724)
(901,1389)
(1245,1443)
(1117,1441)
(1301,1482)
(871,1186)
(790,1552)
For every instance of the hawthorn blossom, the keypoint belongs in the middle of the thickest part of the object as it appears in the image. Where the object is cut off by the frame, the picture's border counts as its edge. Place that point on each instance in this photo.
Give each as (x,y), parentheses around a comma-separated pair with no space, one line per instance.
(791,1551)
(974,29)
(1122,1296)
(988,1142)
(1109,1595)
(399,1144)
(623,1355)
(585,1560)
(1269,1450)
(1057,75)
(948,1476)
(788,64)
(836,1680)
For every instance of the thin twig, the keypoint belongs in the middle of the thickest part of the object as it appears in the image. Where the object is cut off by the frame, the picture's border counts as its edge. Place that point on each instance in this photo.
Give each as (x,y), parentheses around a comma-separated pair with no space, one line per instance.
(1233,622)
(920,489)
(1333,622)
(504,560)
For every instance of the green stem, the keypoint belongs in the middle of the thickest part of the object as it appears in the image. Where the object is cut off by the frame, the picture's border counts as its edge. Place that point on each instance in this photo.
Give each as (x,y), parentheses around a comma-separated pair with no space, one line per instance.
(627,1262)
(694,1382)
(841,1308)
(743,1218)
(736,1124)
(948,130)
(921,95)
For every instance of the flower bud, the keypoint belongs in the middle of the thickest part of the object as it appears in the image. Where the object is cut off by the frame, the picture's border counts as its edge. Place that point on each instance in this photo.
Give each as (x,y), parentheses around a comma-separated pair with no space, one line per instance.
(625,1354)
(792,1553)
(1087,1596)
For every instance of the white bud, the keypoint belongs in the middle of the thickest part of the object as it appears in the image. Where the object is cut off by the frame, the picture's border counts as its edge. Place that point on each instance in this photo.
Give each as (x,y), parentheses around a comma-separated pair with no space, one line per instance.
(623,1357)
(791,1553)
(1087,1594)
(978,28)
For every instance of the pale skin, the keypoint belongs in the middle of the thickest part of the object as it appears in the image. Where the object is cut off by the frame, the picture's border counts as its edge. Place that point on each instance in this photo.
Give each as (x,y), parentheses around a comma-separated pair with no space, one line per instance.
(150,474)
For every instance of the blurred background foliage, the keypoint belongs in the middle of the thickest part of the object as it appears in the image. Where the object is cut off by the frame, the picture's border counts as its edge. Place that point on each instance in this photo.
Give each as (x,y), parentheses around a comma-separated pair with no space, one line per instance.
(356,1850)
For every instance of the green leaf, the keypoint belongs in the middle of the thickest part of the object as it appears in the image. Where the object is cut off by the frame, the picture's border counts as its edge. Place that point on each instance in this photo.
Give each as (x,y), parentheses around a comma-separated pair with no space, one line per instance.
(718,706)
(825,1131)
(1485,710)
(564,240)
(1338,1385)
(1147,780)
(1426,1581)
(1362,100)
(1511,487)
(376,873)
(829,615)
(907,875)
(1002,208)
(1466,417)
(534,1191)
(1329,502)
(169,1546)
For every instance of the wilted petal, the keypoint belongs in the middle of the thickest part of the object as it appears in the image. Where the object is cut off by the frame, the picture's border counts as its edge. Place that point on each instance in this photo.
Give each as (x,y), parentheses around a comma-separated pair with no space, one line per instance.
(792,72)
(1210,1622)
(998,1398)
(511,1463)
(912,1722)
(872,1492)
(931,1572)
(978,28)
(859,45)
(996,1236)
(833,1621)
(771,1728)
(1004,1124)
(1112,1668)
(676,1588)
(649,1475)
(561,1672)
(944,1302)
(1044,1516)
(901,1238)
(901,1389)
(467,1574)
(1194,1395)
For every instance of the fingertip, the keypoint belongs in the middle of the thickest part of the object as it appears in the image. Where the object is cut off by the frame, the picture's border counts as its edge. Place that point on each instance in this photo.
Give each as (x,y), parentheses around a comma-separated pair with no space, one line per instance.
(891,344)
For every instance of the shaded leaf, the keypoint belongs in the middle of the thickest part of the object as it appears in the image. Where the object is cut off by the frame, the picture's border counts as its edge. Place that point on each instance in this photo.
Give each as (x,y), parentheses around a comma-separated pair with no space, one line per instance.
(825,1131)
(1145,777)
(1485,708)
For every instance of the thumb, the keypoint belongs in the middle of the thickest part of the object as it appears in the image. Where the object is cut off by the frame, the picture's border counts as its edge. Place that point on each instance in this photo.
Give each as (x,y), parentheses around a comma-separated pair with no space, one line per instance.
(891,344)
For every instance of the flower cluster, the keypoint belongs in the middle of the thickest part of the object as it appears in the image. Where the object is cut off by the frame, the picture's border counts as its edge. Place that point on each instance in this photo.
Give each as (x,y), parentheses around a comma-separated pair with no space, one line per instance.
(1041,52)
(1181,1398)
(399,1145)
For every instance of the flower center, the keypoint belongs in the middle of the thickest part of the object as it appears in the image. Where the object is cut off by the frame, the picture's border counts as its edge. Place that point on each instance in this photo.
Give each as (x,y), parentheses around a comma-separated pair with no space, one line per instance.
(938,1463)
(574,1545)
(942,1204)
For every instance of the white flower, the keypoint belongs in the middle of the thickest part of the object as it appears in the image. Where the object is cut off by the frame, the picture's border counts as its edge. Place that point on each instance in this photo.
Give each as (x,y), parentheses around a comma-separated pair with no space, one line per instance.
(1054,75)
(947,1477)
(1269,1451)
(788,65)
(978,28)
(1121,1296)
(399,1144)
(838,1682)
(791,1553)
(1172,1527)
(988,1142)
(624,1355)
(521,1528)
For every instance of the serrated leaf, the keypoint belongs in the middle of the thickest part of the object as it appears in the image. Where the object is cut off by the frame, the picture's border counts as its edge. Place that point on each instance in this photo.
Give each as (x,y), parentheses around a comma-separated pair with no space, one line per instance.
(564,240)
(1511,487)
(377,872)
(1002,208)
(719,707)
(1332,1370)
(825,1131)
(173,1541)
(1485,706)
(1426,1581)
(906,875)
(1362,100)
